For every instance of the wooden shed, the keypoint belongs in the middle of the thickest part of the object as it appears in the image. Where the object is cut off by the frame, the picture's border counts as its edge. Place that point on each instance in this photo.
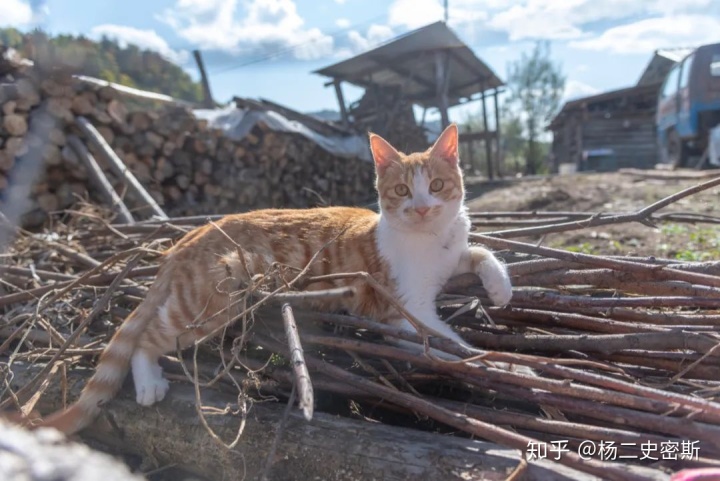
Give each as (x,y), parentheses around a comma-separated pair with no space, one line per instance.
(429,67)
(615,129)
(608,131)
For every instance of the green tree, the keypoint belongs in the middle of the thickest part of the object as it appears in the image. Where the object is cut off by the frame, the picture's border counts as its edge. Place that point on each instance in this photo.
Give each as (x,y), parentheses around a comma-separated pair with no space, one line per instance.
(106,60)
(536,85)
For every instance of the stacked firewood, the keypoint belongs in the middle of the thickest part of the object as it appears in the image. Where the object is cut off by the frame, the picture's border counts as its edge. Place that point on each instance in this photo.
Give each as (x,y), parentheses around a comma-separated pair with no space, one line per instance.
(386,112)
(187,167)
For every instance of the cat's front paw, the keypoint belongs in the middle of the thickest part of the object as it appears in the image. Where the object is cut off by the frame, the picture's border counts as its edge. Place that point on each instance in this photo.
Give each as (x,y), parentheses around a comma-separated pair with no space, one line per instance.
(496,282)
(500,293)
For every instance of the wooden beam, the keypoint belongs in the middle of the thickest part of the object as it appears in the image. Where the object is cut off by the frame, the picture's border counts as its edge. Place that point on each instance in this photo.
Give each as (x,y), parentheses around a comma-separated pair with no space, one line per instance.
(133,92)
(470,147)
(468,67)
(498,154)
(117,165)
(488,146)
(341,102)
(441,83)
(208,101)
(407,74)
(98,178)
(432,94)
(475,136)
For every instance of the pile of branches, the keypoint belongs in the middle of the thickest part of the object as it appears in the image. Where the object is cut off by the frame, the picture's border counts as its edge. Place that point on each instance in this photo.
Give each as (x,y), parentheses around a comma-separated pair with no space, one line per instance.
(624,350)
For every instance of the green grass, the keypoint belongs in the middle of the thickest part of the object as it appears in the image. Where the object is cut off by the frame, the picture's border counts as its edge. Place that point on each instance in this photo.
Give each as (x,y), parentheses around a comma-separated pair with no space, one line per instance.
(699,243)
(584,248)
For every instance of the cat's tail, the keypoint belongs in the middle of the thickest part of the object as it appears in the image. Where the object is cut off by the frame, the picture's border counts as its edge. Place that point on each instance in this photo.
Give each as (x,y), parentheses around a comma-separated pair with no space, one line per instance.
(110,372)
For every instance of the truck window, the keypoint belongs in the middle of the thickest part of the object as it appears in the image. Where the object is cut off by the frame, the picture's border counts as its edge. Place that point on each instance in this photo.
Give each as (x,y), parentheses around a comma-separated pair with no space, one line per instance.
(686,68)
(671,82)
(715,65)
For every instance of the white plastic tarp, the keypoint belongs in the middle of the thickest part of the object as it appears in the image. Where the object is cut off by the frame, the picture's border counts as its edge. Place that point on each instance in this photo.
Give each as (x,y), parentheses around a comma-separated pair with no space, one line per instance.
(237,123)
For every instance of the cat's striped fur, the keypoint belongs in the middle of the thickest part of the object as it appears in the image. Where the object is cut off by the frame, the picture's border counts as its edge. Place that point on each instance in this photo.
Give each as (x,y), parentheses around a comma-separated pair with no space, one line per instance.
(412,247)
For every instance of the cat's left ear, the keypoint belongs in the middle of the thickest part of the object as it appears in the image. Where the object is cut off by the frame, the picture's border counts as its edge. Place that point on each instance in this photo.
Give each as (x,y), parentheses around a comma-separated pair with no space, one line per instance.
(383,153)
(446,146)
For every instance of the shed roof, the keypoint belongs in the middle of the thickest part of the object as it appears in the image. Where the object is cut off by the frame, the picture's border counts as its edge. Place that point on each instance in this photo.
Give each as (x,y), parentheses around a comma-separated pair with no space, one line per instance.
(611,100)
(661,63)
(409,61)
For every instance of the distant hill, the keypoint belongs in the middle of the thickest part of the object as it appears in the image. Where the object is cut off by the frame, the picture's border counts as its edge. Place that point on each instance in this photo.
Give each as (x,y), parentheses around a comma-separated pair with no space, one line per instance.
(106,60)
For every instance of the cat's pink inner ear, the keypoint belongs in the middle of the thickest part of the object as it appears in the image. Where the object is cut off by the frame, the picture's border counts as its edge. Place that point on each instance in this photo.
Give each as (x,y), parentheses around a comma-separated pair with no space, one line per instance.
(446,146)
(383,153)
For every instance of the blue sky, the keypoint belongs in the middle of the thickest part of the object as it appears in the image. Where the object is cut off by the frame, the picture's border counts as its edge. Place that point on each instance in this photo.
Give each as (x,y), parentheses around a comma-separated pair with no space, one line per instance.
(268,48)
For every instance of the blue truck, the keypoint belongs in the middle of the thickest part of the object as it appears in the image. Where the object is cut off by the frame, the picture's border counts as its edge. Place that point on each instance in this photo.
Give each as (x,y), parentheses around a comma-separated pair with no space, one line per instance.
(689,106)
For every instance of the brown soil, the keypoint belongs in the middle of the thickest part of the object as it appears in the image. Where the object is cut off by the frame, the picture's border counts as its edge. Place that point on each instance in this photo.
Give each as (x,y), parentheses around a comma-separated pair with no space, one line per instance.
(616,193)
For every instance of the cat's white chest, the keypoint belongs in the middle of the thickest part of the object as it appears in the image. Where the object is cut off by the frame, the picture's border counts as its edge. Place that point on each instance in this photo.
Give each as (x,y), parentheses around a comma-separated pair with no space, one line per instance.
(422,262)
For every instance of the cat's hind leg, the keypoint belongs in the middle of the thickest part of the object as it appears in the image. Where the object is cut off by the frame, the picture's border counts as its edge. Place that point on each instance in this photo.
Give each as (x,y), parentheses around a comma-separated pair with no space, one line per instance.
(150,385)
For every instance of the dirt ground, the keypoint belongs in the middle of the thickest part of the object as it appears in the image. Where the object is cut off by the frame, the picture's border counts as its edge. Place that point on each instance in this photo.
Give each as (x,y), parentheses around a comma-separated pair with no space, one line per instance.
(616,193)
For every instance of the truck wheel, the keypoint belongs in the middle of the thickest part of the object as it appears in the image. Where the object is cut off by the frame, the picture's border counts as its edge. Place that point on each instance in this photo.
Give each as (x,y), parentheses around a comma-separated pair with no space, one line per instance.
(676,151)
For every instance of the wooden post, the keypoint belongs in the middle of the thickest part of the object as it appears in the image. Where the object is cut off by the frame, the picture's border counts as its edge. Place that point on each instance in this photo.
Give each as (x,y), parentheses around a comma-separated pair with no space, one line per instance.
(117,165)
(98,177)
(579,161)
(441,86)
(208,101)
(471,150)
(488,147)
(341,103)
(498,154)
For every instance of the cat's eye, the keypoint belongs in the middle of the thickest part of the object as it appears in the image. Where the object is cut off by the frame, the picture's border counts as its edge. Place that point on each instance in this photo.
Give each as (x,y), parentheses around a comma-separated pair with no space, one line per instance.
(402,190)
(436,185)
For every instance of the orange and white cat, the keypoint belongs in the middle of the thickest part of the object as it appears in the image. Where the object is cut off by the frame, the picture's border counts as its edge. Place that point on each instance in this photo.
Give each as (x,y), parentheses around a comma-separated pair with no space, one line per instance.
(413,246)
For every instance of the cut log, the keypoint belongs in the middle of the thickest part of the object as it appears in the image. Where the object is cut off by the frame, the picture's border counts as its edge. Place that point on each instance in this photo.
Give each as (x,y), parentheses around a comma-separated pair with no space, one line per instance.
(15,124)
(7,160)
(328,448)
(9,107)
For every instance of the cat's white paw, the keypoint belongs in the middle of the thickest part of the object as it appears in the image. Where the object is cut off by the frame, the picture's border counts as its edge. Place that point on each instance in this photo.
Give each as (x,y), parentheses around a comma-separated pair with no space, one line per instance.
(151,391)
(497,284)
(150,385)
(500,294)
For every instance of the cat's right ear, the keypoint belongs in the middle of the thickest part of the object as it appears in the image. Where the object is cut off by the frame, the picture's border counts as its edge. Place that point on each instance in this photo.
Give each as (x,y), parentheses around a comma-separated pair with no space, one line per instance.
(383,153)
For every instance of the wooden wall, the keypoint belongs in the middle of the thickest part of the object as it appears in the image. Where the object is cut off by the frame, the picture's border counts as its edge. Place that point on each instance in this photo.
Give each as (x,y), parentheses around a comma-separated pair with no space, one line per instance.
(622,123)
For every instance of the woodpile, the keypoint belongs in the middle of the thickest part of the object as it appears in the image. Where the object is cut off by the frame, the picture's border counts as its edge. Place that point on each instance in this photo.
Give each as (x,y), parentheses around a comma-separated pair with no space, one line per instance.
(187,167)
(624,351)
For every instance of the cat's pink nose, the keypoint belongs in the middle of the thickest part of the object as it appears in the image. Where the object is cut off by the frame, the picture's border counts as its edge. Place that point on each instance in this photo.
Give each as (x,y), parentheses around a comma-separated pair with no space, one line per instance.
(422,210)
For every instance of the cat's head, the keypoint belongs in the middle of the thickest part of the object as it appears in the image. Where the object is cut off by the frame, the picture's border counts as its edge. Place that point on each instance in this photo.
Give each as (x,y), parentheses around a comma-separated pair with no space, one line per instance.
(423,190)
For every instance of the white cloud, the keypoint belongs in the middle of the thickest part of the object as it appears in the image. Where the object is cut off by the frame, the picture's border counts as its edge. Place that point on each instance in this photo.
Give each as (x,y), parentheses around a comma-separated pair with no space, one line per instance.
(417,13)
(574,89)
(414,13)
(342,22)
(147,39)
(645,36)
(15,13)
(552,19)
(262,25)
(340,2)
(376,34)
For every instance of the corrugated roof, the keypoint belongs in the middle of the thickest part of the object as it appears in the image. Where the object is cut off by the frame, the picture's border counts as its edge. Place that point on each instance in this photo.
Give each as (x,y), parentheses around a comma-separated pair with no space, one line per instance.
(661,63)
(409,61)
